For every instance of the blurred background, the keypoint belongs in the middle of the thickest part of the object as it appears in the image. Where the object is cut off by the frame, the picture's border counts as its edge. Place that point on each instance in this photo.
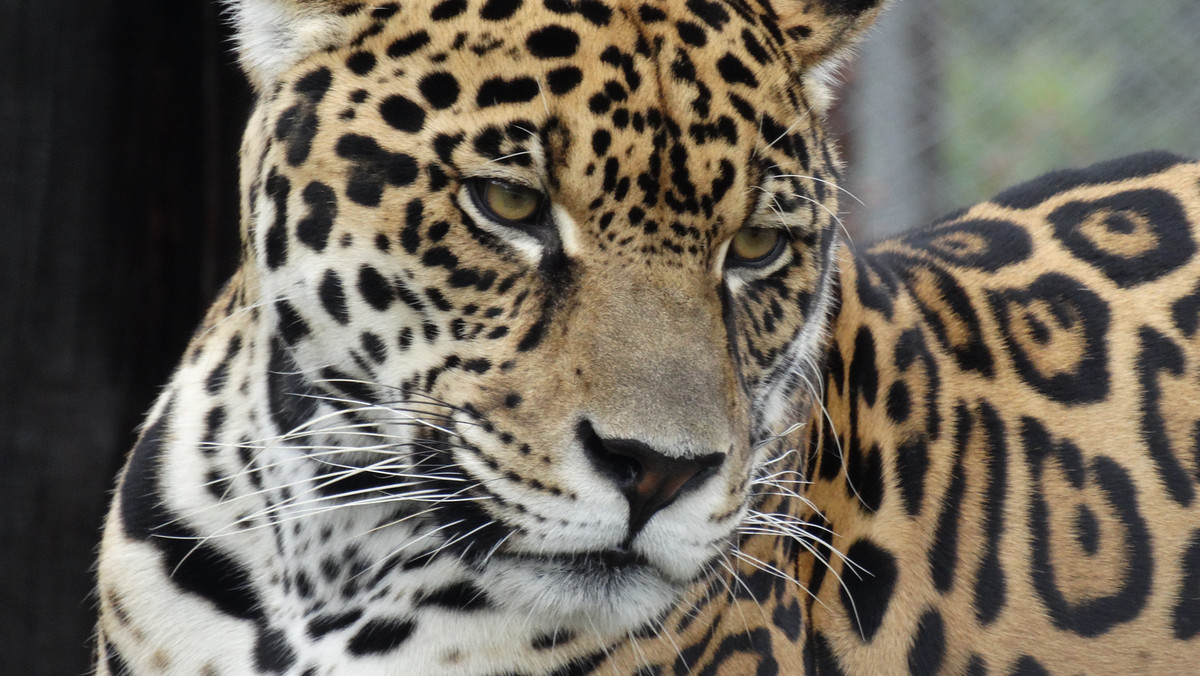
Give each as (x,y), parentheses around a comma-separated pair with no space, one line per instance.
(950,101)
(119,127)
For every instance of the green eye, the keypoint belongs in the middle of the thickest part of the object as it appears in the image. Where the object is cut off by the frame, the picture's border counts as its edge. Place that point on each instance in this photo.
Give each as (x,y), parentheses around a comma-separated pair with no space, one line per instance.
(755,246)
(507,202)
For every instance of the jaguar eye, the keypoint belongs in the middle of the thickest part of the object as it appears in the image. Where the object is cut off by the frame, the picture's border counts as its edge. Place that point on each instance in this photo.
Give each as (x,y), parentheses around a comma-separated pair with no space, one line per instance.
(755,246)
(508,202)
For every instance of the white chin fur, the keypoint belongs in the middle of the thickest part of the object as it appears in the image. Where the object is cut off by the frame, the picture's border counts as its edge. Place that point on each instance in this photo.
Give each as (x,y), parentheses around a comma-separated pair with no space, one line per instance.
(612,603)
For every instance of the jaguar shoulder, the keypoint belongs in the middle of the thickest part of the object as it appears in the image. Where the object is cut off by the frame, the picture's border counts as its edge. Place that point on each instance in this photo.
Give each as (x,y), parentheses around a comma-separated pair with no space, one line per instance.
(544,357)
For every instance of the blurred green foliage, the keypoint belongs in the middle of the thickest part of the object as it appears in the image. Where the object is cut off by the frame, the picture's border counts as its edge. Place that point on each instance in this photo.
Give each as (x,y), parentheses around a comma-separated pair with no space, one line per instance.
(1031,85)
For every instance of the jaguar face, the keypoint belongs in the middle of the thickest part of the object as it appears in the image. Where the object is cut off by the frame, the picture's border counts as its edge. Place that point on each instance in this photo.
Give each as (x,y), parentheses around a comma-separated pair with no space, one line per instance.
(557,273)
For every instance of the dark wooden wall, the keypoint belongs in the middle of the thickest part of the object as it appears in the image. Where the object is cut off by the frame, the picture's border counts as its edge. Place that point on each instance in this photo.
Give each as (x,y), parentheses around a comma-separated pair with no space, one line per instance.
(119,127)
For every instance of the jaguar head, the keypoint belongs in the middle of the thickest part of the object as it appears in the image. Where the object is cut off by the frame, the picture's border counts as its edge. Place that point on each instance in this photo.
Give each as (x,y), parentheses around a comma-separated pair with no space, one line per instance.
(560,270)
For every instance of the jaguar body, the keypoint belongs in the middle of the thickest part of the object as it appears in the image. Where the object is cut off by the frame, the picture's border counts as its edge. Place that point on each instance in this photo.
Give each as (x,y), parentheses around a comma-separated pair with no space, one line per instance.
(545,356)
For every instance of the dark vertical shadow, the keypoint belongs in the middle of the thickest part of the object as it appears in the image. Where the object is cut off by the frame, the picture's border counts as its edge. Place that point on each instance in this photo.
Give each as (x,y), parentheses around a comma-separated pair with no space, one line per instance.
(119,127)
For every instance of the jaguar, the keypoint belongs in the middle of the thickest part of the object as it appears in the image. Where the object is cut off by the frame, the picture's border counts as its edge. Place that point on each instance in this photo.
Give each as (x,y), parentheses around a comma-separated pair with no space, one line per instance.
(545,356)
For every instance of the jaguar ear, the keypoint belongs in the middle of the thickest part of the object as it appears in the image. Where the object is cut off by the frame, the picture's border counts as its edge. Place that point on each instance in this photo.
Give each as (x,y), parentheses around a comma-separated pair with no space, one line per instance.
(274,35)
(819,31)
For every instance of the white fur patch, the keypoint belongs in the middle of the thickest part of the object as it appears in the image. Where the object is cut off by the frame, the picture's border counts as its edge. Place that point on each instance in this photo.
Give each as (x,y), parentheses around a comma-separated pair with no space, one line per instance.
(274,35)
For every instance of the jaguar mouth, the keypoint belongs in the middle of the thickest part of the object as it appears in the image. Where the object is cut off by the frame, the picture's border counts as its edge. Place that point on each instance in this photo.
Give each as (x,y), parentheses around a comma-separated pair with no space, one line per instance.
(599,562)
(609,590)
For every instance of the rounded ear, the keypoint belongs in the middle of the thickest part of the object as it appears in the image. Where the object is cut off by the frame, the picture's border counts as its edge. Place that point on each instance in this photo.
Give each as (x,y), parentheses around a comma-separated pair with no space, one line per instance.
(274,35)
(819,30)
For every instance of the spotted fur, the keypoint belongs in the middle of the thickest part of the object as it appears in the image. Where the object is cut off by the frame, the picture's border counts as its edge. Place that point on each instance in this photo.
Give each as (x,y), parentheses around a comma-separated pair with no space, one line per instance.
(411,437)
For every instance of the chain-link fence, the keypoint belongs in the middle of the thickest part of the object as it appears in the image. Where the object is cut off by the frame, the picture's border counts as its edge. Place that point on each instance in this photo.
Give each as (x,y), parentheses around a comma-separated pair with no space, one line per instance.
(951,100)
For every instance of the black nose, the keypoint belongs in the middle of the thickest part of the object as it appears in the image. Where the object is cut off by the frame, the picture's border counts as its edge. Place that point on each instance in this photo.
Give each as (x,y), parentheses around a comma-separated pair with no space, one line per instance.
(649,479)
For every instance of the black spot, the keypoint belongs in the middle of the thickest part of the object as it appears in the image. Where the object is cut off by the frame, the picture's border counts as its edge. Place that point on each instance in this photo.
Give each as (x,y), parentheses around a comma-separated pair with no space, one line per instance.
(272,654)
(439,257)
(384,11)
(477,365)
(944,303)
(595,12)
(864,375)
(374,288)
(976,666)
(929,648)
(438,299)
(497,91)
(864,473)
(440,89)
(321,625)
(691,33)
(1187,612)
(448,9)
(380,635)
(374,346)
(217,484)
(1027,666)
(1186,313)
(213,422)
(498,10)
(820,658)
(552,42)
(289,395)
(753,645)
(278,188)
(912,463)
(564,80)
(979,244)
(866,595)
(1096,615)
(196,565)
(943,554)
(333,297)
(408,44)
(444,145)
(650,14)
(1087,530)
(373,168)
(402,113)
(462,596)
(410,235)
(297,126)
(990,584)
(899,402)
(313,230)
(370,31)
(581,666)
(352,387)
(291,325)
(911,350)
(600,141)
(1160,355)
(361,63)
(1035,319)
(438,231)
(430,330)
(735,72)
(712,13)
(1134,237)
(755,48)
(875,284)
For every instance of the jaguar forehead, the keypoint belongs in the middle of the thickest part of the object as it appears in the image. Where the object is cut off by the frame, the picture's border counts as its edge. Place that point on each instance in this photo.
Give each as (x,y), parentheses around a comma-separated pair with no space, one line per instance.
(652,76)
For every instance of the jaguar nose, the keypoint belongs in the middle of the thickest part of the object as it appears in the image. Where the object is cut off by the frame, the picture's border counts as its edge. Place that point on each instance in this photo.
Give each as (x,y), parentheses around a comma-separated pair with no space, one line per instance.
(649,479)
